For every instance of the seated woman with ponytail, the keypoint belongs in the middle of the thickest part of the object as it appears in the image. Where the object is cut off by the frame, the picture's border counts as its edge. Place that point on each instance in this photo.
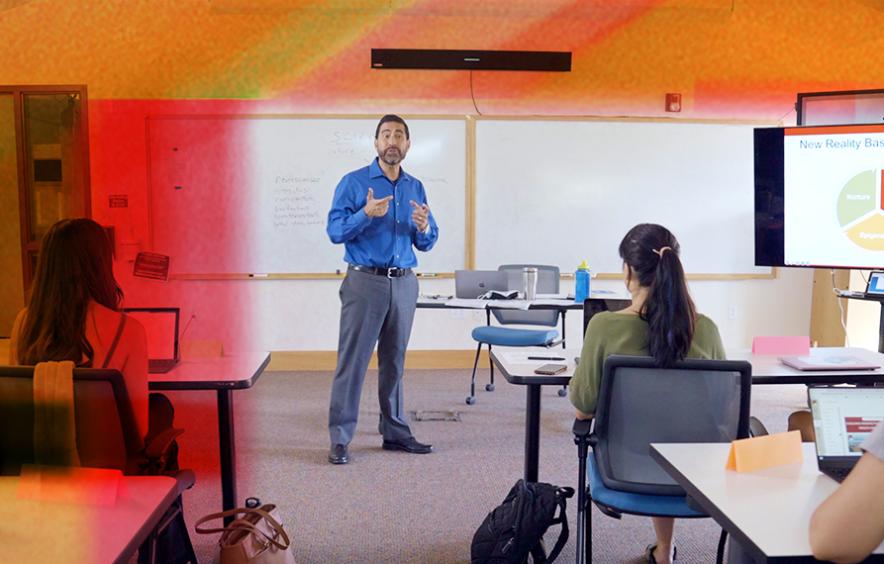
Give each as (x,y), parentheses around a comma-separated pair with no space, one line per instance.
(661,322)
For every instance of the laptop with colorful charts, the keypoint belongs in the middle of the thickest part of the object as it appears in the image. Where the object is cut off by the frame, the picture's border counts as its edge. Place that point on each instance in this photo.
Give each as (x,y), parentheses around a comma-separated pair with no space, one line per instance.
(842,419)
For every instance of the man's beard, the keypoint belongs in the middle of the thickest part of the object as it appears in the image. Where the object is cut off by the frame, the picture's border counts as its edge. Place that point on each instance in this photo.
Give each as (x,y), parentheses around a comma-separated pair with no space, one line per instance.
(392,157)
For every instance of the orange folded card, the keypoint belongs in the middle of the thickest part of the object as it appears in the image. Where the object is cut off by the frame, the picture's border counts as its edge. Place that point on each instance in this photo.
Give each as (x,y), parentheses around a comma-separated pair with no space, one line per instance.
(758,453)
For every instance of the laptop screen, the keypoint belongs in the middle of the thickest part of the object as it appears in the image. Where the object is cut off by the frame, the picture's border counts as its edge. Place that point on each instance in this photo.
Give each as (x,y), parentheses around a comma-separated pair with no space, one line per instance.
(876,283)
(844,417)
(161,326)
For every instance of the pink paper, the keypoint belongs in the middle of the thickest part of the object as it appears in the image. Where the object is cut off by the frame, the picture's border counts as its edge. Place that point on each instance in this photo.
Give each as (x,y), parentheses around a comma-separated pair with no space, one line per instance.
(799,345)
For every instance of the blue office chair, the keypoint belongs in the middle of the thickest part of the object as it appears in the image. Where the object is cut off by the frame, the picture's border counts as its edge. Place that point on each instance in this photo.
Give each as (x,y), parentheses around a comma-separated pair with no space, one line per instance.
(547,283)
(637,400)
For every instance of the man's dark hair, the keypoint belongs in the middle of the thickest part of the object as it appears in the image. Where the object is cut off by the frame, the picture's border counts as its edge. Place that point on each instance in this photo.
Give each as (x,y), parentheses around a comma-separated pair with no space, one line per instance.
(388,118)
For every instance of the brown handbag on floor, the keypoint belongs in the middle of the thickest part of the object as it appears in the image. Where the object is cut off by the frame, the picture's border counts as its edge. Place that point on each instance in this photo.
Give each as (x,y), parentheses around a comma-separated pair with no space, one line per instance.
(257,537)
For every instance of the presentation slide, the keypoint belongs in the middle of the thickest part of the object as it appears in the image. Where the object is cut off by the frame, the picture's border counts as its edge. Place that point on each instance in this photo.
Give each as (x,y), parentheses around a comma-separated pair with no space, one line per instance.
(834,209)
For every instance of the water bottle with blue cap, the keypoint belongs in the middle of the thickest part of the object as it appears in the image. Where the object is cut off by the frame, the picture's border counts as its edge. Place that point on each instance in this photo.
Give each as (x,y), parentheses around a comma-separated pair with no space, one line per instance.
(581,286)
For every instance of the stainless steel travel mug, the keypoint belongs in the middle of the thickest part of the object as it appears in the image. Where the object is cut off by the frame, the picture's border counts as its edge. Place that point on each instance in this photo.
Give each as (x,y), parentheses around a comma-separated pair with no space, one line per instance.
(529,282)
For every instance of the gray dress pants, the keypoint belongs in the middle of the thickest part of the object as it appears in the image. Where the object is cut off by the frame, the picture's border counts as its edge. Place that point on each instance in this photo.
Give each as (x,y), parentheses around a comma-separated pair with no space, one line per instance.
(374,310)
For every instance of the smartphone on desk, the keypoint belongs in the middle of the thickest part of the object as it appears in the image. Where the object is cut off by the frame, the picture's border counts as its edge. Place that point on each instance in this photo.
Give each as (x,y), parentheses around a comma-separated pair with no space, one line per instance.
(551,369)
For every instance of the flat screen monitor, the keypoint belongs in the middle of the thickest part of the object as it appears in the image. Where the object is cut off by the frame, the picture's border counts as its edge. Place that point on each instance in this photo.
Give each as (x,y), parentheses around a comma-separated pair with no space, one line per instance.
(819,196)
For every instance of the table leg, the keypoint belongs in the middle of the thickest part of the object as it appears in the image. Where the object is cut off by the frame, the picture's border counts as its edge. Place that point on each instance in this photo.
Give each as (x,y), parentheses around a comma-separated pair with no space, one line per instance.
(881,329)
(532,432)
(226,442)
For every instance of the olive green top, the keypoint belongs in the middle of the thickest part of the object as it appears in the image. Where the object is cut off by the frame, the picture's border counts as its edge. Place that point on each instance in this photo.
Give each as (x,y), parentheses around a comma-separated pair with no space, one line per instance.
(624,333)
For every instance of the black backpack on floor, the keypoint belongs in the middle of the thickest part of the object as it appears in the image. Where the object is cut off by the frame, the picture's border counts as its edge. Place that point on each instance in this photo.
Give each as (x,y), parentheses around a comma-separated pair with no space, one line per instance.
(514,529)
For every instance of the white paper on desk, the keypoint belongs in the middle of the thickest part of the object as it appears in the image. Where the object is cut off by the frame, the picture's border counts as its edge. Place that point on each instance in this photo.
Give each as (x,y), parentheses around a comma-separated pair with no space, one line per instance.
(482,304)
(465,302)
(552,302)
(552,297)
(521,357)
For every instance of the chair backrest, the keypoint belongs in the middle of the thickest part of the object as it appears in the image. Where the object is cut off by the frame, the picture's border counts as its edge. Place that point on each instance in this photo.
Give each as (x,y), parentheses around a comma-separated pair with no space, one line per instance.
(592,307)
(694,401)
(547,283)
(106,432)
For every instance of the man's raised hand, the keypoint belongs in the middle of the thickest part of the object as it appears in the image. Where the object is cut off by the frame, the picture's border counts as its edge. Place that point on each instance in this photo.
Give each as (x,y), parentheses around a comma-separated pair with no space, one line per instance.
(419,215)
(376,208)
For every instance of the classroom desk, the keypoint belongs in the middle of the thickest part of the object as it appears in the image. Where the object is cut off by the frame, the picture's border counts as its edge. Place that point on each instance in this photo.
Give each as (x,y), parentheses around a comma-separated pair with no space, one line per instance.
(767,512)
(766,369)
(45,531)
(517,369)
(223,375)
(599,300)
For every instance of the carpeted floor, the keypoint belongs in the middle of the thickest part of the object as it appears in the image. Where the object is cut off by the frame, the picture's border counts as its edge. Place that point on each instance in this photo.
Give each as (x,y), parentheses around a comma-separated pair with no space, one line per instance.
(397,507)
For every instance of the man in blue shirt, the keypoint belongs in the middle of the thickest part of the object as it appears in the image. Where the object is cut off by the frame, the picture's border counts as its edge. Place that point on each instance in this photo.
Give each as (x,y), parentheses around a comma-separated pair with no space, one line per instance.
(380,213)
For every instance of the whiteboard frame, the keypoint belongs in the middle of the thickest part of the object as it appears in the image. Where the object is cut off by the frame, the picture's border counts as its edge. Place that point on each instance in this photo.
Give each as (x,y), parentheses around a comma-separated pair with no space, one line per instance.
(470,122)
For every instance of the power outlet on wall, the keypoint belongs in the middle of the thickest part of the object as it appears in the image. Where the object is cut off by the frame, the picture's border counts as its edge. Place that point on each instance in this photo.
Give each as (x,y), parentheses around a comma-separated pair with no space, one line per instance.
(732,312)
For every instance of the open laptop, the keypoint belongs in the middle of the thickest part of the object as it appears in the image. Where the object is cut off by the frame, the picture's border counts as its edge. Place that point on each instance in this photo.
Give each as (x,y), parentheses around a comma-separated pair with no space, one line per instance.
(874,287)
(471,284)
(161,326)
(842,419)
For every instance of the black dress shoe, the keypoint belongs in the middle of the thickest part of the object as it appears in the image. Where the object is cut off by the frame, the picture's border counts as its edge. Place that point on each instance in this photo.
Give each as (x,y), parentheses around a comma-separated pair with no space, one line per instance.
(338,454)
(408,445)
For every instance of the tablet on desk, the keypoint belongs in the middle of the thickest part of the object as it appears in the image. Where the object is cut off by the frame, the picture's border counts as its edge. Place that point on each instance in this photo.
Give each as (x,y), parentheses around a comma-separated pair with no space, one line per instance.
(551,369)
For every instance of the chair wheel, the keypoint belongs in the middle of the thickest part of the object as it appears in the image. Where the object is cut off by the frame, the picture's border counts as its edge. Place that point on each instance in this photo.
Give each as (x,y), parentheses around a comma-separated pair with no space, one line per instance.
(563,392)
(489,387)
(471,400)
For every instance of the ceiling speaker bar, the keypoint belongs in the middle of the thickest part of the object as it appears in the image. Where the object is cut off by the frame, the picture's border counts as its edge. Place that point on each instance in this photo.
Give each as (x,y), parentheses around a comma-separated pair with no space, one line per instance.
(444,59)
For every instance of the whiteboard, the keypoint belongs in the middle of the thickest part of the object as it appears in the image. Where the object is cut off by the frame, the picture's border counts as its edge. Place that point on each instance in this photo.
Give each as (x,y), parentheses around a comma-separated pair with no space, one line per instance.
(558,192)
(250,194)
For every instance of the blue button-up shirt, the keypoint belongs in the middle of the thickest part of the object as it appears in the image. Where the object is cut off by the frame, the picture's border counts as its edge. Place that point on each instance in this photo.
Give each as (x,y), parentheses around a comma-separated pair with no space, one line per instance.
(379,241)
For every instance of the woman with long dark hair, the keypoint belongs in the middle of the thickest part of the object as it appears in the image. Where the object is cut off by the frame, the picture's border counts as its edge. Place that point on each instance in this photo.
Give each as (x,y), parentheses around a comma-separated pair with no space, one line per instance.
(662,322)
(73,312)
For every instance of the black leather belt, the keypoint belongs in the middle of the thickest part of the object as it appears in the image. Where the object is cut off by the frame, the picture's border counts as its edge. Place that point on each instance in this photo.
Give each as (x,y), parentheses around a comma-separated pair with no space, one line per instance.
(388,272)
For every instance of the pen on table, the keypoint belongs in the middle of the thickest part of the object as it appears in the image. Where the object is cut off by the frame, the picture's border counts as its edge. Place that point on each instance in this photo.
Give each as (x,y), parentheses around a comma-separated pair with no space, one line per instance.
(546,358)
(258,275)
(426,274)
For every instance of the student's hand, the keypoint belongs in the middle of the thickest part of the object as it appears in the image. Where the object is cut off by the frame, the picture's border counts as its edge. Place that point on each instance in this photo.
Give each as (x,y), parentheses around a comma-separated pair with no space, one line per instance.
(376,208)
(420,215)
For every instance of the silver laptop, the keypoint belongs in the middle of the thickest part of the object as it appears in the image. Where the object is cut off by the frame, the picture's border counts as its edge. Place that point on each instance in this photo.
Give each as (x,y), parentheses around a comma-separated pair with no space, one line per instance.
(842,419)
(833,361)
(471,284)
(161,326)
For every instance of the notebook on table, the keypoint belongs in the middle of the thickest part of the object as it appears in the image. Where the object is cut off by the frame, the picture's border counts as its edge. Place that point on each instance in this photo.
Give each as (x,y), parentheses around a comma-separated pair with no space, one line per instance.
(842,419)
(471,284)
(161,326)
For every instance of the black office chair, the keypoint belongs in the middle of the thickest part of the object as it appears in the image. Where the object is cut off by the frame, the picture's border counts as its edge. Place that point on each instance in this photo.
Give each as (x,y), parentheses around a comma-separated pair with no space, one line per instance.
(637,400)
(106,434)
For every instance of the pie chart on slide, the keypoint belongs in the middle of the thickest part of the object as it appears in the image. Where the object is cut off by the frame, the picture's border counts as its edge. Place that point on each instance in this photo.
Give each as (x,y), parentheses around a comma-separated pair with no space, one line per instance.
(861,209)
